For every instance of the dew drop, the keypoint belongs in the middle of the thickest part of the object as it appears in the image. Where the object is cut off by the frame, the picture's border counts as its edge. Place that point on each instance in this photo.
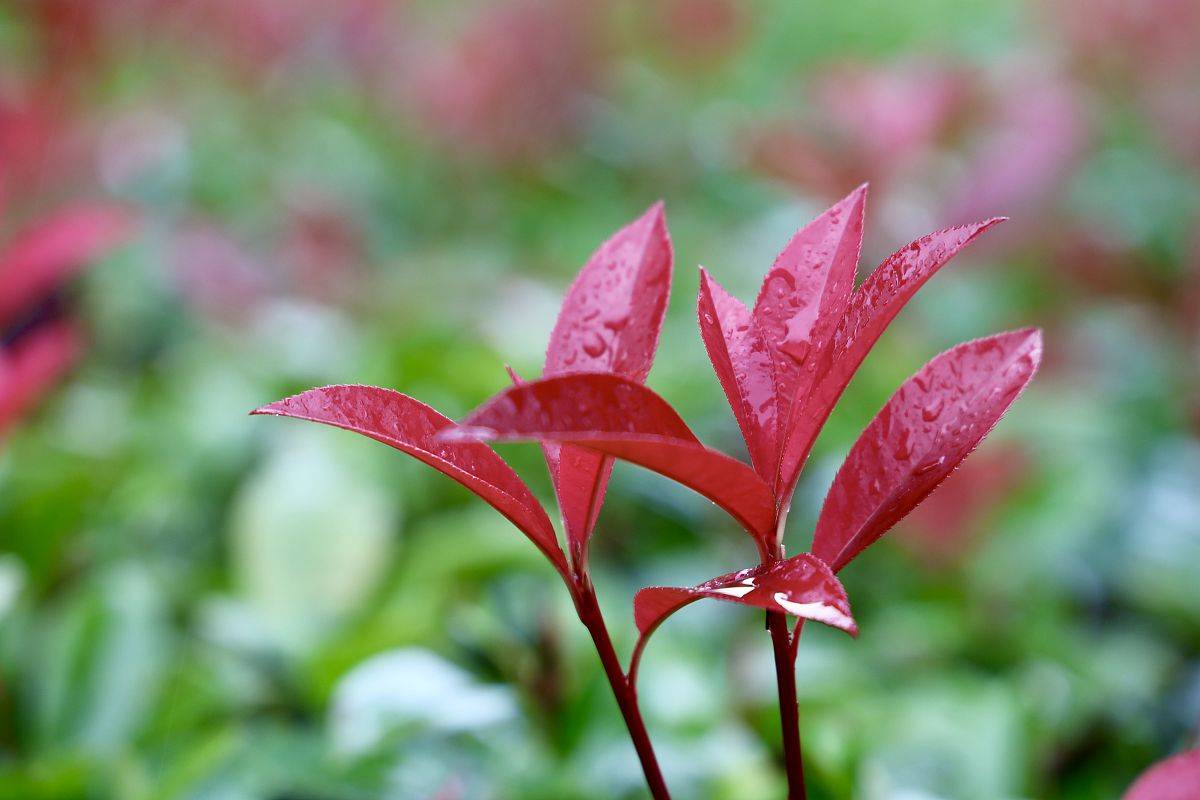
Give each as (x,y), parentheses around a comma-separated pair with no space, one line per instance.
(933,409)
(594,345)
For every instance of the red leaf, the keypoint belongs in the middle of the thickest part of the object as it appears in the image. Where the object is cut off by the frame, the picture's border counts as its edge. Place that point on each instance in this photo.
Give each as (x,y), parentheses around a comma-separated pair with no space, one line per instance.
(802,586)
(412,427)
(45,256)
(923,432)
(619,417)
(1176,778)
(804,296)
(871,310)
(742,359)
(29,368)
(609,322)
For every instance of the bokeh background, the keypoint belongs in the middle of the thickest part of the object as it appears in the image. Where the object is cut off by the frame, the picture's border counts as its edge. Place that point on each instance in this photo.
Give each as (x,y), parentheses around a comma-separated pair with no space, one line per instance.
(197,604)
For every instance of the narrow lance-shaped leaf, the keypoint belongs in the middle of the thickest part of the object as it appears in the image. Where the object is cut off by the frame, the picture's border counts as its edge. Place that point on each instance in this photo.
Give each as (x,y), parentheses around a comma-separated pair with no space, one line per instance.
(609,322)
(872,308)
(804,296)
(803,586)
(31,366)
(1176,778)
(412,427)
(38,260)
(745,367)
(923,432)
(619,417)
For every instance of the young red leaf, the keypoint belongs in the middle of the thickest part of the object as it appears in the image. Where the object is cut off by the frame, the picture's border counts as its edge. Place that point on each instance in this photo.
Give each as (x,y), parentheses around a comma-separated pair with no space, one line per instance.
(803,586)
(40,259)
(804,296)
(32,365)
(923,432)
(612,314)
(1176,778)
(609,322)
(871,309)
(621,418)
(743,362)
(412,427)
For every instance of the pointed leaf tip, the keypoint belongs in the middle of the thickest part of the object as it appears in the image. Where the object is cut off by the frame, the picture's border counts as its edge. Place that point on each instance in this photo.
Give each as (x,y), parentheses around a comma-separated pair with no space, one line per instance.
(618,417)
(920,436)
(610,322)
(871,308)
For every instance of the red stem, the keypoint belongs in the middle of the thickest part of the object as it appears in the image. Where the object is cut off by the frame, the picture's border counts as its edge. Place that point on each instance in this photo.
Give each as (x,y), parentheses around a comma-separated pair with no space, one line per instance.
(789,705)
(623,690)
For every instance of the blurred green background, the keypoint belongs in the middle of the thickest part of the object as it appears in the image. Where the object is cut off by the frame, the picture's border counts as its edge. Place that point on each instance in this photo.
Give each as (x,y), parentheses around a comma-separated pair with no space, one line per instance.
(197,604)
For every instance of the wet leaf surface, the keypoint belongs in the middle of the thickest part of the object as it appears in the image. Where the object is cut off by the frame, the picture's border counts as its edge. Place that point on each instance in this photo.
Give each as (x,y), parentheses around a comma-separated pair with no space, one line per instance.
(412,427)
(920,436)
(871,309)
(803,586)
(609,322)
(804,296)
(743,362)
(622,418)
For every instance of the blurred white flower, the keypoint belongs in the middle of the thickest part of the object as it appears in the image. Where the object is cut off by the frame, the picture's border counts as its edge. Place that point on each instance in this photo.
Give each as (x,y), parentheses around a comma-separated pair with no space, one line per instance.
(411,687)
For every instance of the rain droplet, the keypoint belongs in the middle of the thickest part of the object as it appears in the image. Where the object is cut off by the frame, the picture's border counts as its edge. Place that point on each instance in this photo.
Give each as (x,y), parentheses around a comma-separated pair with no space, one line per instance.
(594,345)
(933,409)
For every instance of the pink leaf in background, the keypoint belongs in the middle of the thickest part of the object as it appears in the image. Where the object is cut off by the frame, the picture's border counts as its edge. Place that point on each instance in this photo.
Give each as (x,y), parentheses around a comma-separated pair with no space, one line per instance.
(29,368)
(923,432)
(1176,778)
(43,257)
(609,322)
(803,586)
(619,417)
(742,359)
(412,427)
(872,308)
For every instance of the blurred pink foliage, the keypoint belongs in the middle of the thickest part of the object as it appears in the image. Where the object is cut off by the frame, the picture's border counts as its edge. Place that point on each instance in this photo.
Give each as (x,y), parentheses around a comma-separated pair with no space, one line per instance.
(951,519)
(1015,138)
(509,85)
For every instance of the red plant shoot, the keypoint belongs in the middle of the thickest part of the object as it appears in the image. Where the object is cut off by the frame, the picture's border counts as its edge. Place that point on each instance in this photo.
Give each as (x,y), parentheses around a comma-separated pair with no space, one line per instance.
(783,365)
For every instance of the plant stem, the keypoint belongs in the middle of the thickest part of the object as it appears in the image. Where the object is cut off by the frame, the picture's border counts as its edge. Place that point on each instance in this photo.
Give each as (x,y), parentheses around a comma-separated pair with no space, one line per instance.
(622,688)
(789,707)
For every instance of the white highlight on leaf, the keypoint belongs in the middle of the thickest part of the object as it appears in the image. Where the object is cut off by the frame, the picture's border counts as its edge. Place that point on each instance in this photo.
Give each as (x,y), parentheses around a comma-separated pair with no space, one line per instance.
(815,611)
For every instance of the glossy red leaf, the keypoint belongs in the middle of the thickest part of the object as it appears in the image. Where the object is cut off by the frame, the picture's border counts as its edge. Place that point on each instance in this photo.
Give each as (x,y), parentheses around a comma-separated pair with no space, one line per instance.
(31,366)
(871,309)
(622,418)
(412,427)
(40,259)
(803,586)
(805,294)
(1176,778)
(609,322)
(920,436)
(743,362)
